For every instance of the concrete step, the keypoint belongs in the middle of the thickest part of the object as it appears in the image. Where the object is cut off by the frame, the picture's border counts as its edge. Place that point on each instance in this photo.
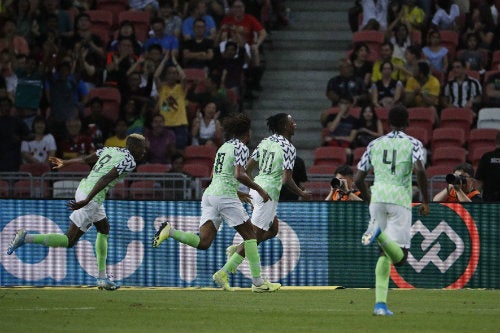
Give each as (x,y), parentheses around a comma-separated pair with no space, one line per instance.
(317,35)
(320,5)
(262,105)
(302,77)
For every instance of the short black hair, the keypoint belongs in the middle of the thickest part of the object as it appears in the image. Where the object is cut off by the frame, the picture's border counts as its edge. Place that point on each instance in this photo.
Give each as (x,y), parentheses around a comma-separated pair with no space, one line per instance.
(423,67)
(398,116)
(465,167)
(236,125)
(344,170)
(277,122)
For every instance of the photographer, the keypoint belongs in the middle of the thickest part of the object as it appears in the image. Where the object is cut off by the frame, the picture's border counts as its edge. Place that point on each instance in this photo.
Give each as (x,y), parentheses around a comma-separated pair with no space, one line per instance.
(341,186)
(460,186)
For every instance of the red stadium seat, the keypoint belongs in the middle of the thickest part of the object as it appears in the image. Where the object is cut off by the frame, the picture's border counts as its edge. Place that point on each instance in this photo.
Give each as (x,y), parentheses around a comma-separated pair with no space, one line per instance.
(319,190)
(449,39)
(4,188)
(481,137)
(330,155)
(144,190)
(200,155)
(495,60)
(457,118)
(419,134)
(448,156)
(374,40)
(357,154)
(383,115)
(111,100)
(113,6)
(75,167)
(422,118)
(36,169)
(197,170)
(475,156)
(322,169)
(447,137)
(101,24)
(153,168)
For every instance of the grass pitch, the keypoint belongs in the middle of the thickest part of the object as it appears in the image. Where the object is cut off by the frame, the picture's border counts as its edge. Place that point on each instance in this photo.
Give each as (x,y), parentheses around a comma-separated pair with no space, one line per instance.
(208,310)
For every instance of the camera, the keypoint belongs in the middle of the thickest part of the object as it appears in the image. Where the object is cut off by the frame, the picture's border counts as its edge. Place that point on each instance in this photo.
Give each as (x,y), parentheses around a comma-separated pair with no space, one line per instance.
(455,180)
(335,182)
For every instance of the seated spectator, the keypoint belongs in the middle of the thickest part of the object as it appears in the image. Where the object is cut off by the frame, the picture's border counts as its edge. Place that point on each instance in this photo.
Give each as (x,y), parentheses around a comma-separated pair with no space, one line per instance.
(29,89)
(342,186)
(422,89)
(161,141)
(346,84)
(198,9)
(206,128)
(75,143)
(150,6)
(12,131)
(198,52)
(472,56)
(374,14)
(169,43)
(133,115)
(119,139)
(341,127)
(435,53)
(463,91)
(369,127)
(132,88)
(493,90)
(42,146)
(95,124)
(386,92)
(173,22)
(177,163)
(479,21)
(50,9)
(460,186)
(445,17)
(400,40)
(413,55)
(126,29)
(299,176)
(359,60)
(11,40)
(386,54)
(488,173)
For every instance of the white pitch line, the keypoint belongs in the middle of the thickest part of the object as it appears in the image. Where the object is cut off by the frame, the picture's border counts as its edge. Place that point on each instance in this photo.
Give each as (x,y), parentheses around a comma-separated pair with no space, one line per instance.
(50,309)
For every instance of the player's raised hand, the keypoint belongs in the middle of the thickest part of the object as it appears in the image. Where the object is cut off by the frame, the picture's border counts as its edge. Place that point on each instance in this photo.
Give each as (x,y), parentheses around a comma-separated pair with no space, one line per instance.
(56,162)
(244,197)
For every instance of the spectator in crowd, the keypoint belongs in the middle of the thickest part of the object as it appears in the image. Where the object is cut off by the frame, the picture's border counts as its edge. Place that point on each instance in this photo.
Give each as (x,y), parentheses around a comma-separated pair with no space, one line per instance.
(462,91)
(49,9)
(126,29)
(169,43)
(76,142)
(386,54)
(12,131)
(488,173)
(299,176)
(119,62)
(353,15)
(369,127)
(134,116)
(11,40)
(177,163)
(230,64)
(119,139)
(493,90)
(400,39)
(472,55)
(95,124)
(29,89)
(206,128)
(394,14)
(435,53)
(386,92)
(23,13)
(198,9)
(374,14)
(132,87)
(150,6)
(341,188)
(480,22)
(161,141)
(172,100)
(460,186)
(422,89)
(413,15)
(42,145)
(361,65)
(198,52)
(83,37)
(413,55)
(445,17)
(346,84)
(173,22)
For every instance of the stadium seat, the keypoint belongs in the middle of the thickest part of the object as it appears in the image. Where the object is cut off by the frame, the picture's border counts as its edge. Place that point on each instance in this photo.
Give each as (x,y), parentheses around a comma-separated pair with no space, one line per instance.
(475,156)
(36,169)
(119,191)
(200,155)
(4,188)
(383,115)
(145,190)
(489,118)
(355,111)
(111,100)
(113,6)
(447,137)
(153,168)
(457,118)
(101,24)
(422,118)
(448,156)
(449,39)
(330,155)
(23,189)
(197,170)
(140,20)
(322,169)
(419,134)
(319,190)
(481,137)
(357,154)
(195,75)
(436,177)
(495,60)
(439,170)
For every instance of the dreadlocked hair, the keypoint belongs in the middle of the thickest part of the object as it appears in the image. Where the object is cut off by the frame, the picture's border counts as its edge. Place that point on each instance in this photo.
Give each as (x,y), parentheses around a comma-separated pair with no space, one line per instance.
(277,123)
(236,125)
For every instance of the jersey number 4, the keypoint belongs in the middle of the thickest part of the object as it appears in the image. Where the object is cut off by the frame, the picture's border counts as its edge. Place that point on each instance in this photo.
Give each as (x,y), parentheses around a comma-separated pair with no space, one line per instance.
(392,162)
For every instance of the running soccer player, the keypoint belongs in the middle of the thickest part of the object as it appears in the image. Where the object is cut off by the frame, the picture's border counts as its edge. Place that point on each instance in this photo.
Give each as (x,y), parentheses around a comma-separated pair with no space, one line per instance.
(393,158)
(275,157)
(221,201)
(110,165)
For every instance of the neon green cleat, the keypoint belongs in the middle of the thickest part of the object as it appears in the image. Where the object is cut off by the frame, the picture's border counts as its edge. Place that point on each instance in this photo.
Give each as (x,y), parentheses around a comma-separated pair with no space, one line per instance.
(231,249)
(266,287)
(221,278)
(162,234)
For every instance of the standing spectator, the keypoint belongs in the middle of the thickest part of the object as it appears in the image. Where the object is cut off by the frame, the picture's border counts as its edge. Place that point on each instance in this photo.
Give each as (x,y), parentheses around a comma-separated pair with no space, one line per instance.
(460,186)
(386,54)
(435,53)
(413,15)
(161,141)
(126,29)
(342,186)
(119,62)
(42,146)
(488,173)
(299,176)
(206,128)
(493,90)
(11,40)
(463,91)
(23,13)
(173,22)
(386,92)
(422,89)
(12,131)
(169,43)
(75,143)
(374,14)
(346,84)
(198,52)
(445,16)
(198,9)
(359,60)
(369,127)
(230,66)
(120,137)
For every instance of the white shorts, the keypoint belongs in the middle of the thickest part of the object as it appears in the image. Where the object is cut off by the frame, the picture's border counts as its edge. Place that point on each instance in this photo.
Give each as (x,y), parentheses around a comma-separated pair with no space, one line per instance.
(215,208)
(263,212)
(394,221)
(84,217)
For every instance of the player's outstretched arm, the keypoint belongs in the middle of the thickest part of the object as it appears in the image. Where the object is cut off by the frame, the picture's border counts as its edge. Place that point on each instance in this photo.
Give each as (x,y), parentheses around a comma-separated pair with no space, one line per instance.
(59,163)
(98,187)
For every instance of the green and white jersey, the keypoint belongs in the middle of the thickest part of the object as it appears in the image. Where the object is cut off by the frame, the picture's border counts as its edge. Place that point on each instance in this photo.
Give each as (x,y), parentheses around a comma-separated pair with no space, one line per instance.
(392,157)
(232,153)
(274,155)
(109,157)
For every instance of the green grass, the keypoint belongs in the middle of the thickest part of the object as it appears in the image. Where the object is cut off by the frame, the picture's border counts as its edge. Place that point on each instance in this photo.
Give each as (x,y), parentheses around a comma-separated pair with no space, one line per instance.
(289,310)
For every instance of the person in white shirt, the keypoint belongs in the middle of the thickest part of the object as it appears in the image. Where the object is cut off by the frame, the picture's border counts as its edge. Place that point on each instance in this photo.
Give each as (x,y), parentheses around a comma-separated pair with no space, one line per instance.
(42,146)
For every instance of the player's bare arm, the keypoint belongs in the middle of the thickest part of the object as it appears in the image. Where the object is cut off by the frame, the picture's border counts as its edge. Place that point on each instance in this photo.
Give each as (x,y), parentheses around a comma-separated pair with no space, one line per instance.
(290,183)
(99,186)
(241,175)
(59,163)
(359,180)
(422,185)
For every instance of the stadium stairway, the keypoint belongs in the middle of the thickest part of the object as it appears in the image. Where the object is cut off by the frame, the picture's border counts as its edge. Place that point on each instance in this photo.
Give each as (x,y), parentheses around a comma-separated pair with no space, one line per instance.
(299,62)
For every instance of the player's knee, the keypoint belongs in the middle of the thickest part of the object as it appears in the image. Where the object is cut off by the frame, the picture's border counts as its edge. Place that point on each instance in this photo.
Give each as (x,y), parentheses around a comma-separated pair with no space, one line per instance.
(102,227)
(402,261)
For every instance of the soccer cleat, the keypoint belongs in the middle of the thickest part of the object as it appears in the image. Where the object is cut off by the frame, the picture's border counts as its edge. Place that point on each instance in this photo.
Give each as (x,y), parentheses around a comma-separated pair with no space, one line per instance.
(162,234)
(370,234)
(107,284)
(382,310)
(221,278)
(266,287)
(17,241)
(230,250)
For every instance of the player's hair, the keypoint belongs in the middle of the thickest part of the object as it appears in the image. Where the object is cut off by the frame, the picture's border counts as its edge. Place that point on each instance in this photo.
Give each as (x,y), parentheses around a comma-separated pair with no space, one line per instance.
(236,125)
(277,123)
(398,117)
(134,140)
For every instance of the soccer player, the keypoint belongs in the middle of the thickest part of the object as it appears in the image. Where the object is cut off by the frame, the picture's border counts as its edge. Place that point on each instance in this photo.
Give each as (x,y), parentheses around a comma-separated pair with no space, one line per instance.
(275,157)
(393,158)
(110,165)
(221,200)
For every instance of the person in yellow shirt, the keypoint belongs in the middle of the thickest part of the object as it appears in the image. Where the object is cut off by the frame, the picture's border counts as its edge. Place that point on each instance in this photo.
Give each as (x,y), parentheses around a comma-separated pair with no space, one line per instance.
(413,15)
(120,137)
(422,89)
(386,51)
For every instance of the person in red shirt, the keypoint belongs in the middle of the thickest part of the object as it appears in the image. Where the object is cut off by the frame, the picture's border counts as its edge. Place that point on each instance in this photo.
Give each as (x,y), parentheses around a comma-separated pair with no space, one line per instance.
(460,186)
(75,143)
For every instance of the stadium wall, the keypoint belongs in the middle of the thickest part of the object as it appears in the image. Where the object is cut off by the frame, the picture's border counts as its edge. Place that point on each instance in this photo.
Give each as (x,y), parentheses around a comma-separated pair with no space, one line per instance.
(456,246)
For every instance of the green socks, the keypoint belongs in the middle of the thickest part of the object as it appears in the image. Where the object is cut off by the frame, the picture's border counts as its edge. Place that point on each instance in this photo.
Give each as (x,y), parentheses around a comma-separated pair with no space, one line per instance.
(184,237)
(252,255)
(233,263)
(391,248)
(50,240)
(382,272)
(101,252)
